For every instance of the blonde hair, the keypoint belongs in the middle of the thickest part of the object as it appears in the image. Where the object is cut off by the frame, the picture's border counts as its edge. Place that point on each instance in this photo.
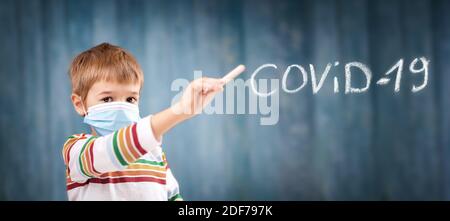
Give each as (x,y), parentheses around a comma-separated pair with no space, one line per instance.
(103,62)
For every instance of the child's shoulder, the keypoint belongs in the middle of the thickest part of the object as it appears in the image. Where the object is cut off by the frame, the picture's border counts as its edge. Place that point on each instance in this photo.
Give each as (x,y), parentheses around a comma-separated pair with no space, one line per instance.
(74,138)
(71,140)
(78,136)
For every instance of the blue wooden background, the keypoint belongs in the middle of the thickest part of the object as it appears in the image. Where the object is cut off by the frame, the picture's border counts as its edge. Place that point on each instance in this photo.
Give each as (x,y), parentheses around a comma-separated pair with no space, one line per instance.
(373,146)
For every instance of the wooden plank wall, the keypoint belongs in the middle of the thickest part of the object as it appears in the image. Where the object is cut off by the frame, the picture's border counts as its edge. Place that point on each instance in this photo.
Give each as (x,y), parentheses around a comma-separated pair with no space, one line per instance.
(372,146)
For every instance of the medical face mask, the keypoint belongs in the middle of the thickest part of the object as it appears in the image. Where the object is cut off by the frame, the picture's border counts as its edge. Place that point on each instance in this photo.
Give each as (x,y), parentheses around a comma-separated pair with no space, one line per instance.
(109,117)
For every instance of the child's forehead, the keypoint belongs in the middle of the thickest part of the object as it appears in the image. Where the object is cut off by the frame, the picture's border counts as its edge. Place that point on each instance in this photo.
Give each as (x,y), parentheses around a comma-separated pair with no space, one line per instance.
(103,86)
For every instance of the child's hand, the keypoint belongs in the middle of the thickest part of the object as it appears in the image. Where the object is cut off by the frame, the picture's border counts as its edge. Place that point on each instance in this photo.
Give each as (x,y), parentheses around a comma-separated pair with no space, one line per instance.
(197,95)
(200,93)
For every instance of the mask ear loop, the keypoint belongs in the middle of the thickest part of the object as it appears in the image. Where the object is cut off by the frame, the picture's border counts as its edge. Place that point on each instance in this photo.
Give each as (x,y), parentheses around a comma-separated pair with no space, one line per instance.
(85,113)
(82,105)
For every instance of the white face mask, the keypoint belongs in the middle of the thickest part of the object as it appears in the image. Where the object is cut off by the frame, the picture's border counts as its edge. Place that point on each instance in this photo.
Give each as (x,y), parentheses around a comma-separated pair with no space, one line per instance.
(109,117)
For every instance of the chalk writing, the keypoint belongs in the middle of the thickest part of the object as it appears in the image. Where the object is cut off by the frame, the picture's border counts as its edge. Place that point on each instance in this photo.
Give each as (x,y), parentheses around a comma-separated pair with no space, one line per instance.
(350,68)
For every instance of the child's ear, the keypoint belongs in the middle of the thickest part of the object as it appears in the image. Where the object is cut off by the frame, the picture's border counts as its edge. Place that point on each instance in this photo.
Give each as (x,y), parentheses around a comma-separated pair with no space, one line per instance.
(78,104)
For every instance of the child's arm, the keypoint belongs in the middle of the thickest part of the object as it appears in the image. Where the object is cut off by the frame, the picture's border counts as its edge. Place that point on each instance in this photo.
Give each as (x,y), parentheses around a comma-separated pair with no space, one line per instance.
(90,157)
(197,95)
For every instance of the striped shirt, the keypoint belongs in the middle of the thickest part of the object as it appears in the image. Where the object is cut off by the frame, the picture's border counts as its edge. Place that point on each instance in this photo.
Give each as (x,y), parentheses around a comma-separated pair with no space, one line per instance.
(128,164)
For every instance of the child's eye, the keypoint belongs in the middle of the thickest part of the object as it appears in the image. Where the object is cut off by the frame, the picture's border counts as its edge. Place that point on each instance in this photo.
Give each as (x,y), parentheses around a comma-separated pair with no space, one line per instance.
(107,99)
(131,100)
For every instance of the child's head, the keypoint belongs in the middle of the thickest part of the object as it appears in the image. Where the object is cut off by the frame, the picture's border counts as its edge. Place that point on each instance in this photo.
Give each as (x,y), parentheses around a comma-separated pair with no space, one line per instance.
(104,73)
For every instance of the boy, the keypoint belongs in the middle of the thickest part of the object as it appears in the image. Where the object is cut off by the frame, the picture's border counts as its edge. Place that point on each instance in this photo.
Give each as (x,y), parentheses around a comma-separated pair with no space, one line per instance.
(121,159)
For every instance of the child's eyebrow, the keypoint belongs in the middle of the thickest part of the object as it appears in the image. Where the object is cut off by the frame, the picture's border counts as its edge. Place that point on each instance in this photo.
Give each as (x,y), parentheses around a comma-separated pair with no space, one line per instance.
(105,93)
(110,92)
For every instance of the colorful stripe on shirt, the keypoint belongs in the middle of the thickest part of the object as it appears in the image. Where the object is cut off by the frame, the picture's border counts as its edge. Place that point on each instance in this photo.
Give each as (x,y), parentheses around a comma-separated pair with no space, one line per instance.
(127,148)
(69,144)
(86,159)
(115,180)
(124,142)
(140,171)
(176,197)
